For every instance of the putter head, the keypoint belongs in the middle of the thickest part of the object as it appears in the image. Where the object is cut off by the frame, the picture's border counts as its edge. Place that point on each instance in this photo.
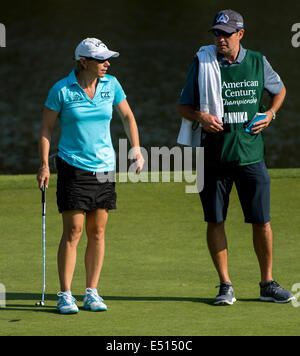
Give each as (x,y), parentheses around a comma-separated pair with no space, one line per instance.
(40,304)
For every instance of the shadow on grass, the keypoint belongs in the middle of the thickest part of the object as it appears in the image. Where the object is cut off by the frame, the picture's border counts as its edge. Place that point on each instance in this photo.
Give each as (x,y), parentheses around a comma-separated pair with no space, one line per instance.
(10,297)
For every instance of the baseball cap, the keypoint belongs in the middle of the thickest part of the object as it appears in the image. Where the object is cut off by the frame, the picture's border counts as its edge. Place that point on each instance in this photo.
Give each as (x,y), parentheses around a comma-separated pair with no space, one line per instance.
(94,48)
(228,21)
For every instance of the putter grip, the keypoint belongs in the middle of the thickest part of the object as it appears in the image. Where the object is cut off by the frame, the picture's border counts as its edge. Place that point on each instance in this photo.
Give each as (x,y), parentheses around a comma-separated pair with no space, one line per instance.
(43,200)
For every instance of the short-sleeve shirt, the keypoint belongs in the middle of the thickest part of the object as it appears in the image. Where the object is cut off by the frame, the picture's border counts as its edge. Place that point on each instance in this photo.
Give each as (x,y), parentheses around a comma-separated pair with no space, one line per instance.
(190,93)
(85,140)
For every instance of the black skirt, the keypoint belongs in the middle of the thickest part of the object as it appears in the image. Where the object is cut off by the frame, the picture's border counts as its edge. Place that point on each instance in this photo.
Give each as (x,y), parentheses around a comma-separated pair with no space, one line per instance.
(78,189)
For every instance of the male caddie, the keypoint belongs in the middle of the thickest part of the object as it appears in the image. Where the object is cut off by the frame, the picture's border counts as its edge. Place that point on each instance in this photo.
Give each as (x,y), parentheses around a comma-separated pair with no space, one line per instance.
(222,93)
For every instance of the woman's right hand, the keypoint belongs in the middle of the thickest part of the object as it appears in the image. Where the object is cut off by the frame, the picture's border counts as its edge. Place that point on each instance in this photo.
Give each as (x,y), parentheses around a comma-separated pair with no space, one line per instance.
(43,176)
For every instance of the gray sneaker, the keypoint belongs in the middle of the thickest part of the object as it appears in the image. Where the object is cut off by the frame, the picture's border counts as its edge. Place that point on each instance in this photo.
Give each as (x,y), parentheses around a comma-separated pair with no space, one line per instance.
(226,294)
(272,292)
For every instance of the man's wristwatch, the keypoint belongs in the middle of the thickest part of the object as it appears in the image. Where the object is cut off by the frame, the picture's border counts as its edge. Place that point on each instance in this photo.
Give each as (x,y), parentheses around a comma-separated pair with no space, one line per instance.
(273,113)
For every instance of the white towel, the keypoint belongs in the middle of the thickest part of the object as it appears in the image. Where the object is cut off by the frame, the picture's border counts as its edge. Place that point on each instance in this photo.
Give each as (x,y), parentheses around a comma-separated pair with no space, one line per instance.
(189,133)
(210,89)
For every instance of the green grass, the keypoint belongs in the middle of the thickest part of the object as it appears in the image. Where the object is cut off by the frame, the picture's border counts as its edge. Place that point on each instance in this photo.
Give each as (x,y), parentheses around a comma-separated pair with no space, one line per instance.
(157,278)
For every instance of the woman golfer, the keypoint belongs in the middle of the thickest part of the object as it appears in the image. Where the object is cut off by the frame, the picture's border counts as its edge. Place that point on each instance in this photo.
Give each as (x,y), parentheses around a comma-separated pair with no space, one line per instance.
(84,103)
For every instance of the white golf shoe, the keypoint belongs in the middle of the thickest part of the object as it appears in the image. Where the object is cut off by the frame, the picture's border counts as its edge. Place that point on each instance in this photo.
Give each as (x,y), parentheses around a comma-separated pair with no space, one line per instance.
(66,303)
(92,301)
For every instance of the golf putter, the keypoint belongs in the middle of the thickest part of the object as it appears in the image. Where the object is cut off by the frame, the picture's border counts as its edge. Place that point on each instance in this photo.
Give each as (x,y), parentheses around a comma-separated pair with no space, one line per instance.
(41,303)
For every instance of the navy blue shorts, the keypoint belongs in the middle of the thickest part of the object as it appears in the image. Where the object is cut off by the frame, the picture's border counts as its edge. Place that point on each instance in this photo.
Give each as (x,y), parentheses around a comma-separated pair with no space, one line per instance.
(78,189)
(253,188)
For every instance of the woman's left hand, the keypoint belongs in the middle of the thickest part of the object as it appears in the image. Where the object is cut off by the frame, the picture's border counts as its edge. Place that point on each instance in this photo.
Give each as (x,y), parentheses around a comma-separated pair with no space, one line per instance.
(137,160)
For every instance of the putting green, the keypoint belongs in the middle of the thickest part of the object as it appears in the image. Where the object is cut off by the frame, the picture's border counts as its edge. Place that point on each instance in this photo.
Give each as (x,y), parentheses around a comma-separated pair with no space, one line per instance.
(157,278)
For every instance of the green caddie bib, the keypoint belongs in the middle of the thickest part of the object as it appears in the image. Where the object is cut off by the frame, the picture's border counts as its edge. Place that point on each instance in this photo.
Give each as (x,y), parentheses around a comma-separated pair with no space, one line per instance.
(242,90)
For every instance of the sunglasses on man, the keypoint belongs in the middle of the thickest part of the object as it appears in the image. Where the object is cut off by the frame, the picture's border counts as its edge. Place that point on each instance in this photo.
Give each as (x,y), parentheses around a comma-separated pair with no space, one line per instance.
(219,33)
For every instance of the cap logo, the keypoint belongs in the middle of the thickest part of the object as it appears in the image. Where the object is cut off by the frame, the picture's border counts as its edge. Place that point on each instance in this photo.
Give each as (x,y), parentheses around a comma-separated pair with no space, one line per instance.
(222,18)
(99,43)
(93,48)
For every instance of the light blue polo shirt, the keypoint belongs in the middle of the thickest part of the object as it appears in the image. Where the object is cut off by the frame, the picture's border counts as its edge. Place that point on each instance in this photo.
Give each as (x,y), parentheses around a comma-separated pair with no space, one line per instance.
(85,140)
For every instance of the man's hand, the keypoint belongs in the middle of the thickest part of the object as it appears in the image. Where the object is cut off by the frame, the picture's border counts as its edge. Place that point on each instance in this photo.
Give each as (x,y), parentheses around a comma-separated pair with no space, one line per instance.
(259,126)
(211,123)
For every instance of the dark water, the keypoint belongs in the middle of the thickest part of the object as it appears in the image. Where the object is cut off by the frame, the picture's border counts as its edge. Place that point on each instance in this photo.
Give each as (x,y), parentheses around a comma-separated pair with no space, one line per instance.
(157,41)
